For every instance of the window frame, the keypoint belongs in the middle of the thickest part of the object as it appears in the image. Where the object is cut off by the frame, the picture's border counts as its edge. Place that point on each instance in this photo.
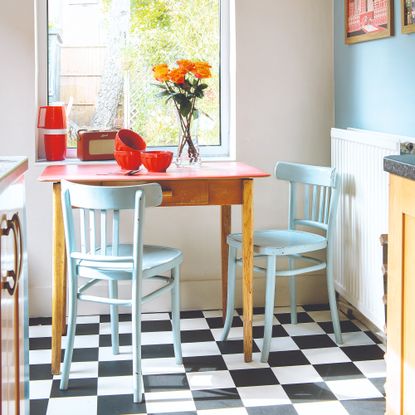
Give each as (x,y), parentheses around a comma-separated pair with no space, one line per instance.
(224,151)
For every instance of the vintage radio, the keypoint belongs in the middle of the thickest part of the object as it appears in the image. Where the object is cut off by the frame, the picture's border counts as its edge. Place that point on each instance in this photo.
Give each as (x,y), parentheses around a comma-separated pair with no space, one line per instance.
(96,145)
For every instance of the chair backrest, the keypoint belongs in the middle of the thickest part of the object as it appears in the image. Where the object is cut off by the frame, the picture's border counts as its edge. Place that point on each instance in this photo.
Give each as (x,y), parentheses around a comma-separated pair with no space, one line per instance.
(313,194)
(99,215)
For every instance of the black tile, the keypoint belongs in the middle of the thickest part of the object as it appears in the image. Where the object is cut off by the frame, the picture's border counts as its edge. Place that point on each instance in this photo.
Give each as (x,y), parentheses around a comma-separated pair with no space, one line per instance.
(372,406)
(346,326)
(234,346)
(339,371)
(253,377)
(40,321)
(77,387)
(370,352)
(191,336)
(124,339)
(190,314)
(316,307)
(204,363)
(277,331)
(87,354)
(40,372)
(38,406)
(287,358)
(272,410)
(156,325)
(256,310)
(153,351)
(285,318)
(115,368)
(217,322)
(165,382)
(308,392)
(375,338)
(173,413)
(84,329)
(105,318)
(217,398)
(314,341)
(39,343)
(380,384)
(119,404)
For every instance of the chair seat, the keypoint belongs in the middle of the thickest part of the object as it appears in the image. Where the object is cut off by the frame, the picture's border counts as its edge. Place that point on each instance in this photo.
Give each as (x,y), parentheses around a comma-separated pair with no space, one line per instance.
(156,259)
(281,242)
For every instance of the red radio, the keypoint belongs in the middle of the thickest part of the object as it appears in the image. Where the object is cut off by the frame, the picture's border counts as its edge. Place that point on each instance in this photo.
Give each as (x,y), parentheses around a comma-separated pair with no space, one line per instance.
(95,145)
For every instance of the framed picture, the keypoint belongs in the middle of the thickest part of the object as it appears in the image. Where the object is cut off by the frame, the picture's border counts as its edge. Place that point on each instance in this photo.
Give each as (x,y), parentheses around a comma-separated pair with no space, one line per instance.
(367,19)
(408,16)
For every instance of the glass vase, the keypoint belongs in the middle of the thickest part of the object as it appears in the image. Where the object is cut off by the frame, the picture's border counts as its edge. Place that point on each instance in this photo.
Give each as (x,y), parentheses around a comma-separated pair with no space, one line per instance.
(188,152)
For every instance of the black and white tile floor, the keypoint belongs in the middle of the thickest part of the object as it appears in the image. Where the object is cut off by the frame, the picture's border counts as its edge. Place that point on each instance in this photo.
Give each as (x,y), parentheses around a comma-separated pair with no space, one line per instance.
(307,372)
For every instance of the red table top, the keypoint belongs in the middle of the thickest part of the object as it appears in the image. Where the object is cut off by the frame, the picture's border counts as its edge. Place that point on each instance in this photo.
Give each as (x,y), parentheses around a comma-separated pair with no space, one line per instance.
(111,171)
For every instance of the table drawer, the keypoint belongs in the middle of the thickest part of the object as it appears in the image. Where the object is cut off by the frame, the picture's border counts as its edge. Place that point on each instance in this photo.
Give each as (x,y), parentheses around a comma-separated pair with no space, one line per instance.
(181,193)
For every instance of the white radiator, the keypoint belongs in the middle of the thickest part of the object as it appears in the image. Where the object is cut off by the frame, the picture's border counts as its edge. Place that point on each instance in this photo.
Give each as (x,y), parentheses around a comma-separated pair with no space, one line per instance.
(362,217)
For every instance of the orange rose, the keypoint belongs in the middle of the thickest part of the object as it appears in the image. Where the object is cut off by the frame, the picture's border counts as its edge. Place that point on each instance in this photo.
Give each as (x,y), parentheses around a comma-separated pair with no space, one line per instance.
(186,64)
(177,75)
(202,70)
(161,72)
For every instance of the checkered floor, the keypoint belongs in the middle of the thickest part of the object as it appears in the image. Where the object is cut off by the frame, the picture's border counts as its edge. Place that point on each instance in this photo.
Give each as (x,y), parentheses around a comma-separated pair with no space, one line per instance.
(306,374)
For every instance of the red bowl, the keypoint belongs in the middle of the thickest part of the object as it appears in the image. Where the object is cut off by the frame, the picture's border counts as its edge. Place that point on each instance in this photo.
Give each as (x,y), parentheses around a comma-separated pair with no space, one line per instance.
(128,160)
(156,161)
(128,140)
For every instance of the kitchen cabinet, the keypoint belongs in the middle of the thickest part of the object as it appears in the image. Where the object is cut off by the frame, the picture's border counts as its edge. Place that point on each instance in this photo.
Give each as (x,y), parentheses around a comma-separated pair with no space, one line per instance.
(14,353)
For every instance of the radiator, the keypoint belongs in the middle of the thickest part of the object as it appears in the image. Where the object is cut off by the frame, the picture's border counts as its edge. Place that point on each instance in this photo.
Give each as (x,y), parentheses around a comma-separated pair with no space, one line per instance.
(362,217)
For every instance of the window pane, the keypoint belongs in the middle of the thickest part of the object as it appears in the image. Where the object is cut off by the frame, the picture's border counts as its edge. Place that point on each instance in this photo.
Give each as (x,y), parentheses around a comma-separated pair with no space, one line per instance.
(101,54)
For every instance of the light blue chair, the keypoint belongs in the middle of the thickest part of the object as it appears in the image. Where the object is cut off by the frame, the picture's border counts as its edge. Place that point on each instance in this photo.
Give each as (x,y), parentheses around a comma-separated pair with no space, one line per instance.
(94,251)
(313,195)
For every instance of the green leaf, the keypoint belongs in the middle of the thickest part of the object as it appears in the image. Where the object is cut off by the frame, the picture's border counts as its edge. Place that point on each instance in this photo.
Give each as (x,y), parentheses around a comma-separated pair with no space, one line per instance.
(185,108)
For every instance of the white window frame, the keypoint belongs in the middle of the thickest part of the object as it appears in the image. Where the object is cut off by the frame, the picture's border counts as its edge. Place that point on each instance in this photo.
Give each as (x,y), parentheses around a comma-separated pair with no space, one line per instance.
(224,151)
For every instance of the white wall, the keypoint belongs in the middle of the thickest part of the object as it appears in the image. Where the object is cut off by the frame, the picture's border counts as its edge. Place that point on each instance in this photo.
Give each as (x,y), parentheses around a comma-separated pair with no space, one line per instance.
(284,110)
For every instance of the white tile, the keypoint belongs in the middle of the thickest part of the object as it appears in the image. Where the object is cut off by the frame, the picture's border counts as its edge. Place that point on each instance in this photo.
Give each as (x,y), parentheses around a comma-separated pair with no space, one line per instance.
(263,395)
(236,361)
(40,331)
(87,319)
(324,315)
(235,333)
(214,313)
(320,408)
(155,316)
(105,353)
(40,389)
(354,338)
(372,368)
(200,349)
(123,327)
(296,374)
(279,344)
(73,405)
(287,309)
(258,320)
(161,366)
(82,370)
(217,379)
(325,355)
(115,385)
(223,411)
(40,356)
(193,324)
(171,401)
(157,337)
(303,329)
(354,389)
(83,341)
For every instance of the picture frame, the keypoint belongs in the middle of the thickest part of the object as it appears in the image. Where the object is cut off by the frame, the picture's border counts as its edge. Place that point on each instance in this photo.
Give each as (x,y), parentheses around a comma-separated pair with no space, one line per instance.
(367,20)
(408,16)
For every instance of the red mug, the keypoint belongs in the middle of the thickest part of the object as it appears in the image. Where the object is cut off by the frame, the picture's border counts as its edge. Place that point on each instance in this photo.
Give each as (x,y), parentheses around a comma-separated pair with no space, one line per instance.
(52,120)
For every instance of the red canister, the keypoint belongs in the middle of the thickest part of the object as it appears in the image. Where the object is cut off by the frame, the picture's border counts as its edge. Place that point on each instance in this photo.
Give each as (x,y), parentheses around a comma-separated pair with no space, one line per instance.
(52,122)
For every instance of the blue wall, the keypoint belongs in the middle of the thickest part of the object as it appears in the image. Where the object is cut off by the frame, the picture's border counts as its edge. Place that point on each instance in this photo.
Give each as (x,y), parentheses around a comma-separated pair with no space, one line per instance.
(375,80)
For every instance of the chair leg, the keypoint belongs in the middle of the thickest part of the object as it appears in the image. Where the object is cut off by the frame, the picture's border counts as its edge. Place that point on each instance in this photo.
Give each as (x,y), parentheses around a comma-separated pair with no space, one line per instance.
(70,335)
(269,306)
(136,341)
(293,294)
(113,293)
(230,302)
(175,307)
(332,300)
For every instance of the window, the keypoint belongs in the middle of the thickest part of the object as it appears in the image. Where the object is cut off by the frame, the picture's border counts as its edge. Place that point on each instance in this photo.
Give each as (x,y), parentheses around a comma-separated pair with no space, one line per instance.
(100,56)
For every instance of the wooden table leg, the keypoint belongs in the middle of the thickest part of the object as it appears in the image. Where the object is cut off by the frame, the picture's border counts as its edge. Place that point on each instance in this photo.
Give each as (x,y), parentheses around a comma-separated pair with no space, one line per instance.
(59,280)
(225,217)
(247,265)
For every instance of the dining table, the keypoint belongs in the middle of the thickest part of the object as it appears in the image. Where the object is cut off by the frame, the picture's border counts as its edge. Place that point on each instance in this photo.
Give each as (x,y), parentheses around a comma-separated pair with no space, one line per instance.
(221,183)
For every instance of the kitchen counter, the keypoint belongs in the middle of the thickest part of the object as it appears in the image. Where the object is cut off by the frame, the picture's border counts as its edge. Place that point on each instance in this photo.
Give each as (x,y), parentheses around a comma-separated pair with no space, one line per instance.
(10,169)
(400,165)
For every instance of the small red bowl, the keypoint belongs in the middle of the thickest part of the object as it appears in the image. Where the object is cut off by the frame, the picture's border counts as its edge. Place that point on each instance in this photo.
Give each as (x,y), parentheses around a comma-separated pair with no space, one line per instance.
(156,161)
(128,140)
(128,160)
